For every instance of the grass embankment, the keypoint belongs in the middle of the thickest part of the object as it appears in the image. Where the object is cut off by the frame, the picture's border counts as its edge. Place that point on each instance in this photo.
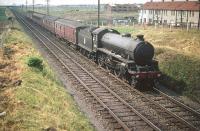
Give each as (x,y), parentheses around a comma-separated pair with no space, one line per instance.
(33,98)
(178,53)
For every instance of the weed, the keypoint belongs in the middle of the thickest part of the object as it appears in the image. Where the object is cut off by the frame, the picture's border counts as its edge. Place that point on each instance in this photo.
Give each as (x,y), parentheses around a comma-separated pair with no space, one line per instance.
(35,62)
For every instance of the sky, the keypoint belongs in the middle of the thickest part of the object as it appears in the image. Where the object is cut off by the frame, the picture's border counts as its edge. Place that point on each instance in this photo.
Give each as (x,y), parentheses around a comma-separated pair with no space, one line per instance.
(69,2)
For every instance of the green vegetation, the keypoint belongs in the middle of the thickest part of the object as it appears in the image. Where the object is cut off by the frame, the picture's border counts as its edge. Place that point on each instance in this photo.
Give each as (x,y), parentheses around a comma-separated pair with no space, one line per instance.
(35,62)
(38,101)
(125,29)
(182,73)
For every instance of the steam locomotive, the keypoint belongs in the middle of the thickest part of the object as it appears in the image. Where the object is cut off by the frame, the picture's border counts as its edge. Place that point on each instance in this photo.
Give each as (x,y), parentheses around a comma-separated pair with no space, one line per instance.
(128,58)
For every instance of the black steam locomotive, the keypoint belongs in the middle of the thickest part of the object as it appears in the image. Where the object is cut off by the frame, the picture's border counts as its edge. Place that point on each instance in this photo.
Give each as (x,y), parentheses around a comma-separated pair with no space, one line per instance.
(128,58)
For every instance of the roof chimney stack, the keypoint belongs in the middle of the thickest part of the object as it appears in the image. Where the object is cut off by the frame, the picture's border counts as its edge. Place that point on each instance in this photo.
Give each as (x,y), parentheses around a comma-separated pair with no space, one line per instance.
(172,0)
(151,0)
(163,0)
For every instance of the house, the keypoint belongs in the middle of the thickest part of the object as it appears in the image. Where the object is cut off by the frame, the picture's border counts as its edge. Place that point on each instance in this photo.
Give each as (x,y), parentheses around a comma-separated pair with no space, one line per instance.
(121,7)
(170,12)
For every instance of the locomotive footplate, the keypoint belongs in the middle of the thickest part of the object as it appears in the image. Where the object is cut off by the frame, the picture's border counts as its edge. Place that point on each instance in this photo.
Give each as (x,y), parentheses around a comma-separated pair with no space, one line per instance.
(146,75)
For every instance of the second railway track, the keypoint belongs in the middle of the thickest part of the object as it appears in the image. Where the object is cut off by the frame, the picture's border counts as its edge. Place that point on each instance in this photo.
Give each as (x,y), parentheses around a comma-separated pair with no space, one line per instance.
(136,113)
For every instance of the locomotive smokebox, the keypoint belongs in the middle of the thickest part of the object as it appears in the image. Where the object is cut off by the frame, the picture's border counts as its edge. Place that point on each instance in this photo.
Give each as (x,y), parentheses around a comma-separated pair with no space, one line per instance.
(137,49)
(143,53)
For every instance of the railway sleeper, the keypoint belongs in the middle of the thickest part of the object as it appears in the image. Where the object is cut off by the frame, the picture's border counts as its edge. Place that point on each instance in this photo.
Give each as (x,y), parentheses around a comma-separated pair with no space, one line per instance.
(114,108)
(136,123)
(90,81)
(101,92)
(92,85)
(122,110)
(130,119)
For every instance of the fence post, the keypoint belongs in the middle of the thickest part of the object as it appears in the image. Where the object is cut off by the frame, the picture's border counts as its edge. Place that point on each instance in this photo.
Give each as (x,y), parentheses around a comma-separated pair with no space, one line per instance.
(187,26)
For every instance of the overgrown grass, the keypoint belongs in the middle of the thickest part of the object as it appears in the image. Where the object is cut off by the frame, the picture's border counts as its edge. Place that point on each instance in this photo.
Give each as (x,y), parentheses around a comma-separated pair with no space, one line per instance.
(125,29)
(40,101)
(182,73)
(45,103)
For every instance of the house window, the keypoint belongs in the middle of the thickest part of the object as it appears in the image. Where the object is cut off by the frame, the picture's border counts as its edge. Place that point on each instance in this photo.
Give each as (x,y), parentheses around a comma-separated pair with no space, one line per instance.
(184,13)
(150,20)
(145,20)
(173,13)
(166,12)
(192,13)
(179,13)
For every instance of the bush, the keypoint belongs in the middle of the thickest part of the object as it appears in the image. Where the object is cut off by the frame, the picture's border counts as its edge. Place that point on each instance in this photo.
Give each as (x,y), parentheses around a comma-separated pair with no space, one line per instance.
(35,62)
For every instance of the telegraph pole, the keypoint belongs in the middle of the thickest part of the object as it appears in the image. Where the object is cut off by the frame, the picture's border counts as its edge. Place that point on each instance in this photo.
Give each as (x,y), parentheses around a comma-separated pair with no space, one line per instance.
(98,13)
(33,5)
(199,16)
(48,7)
(26,5)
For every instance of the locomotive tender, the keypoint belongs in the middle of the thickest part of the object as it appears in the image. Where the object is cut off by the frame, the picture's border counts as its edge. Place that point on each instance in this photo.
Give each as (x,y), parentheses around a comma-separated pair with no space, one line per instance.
(128,58)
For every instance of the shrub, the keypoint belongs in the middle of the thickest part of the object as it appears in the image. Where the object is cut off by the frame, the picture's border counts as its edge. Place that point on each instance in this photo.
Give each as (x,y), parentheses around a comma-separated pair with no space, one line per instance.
(35,62)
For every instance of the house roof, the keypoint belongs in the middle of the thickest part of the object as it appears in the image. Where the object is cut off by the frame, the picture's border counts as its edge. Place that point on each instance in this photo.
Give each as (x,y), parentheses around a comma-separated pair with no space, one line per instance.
(176,5)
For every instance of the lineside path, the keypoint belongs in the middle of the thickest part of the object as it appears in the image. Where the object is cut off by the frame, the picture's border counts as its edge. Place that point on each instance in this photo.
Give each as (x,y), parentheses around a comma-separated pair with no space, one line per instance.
(146,113)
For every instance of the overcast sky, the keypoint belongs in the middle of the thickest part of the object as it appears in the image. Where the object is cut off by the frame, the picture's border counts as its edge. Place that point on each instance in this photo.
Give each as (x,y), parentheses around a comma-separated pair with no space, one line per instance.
(69,2)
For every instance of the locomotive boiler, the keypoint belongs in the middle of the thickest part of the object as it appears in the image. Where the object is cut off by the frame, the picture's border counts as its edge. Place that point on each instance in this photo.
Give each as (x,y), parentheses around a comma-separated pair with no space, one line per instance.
(138,50)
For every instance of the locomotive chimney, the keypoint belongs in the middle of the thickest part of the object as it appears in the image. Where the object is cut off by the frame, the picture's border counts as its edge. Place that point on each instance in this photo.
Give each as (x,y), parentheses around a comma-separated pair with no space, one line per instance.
(140,37)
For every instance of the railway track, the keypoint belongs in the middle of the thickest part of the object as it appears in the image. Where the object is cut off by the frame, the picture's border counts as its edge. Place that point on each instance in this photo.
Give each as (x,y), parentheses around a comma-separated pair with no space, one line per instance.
(120,107)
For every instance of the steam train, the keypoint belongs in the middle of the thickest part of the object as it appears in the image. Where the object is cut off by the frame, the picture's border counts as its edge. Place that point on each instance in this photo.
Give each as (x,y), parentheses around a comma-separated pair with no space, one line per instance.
(128,58)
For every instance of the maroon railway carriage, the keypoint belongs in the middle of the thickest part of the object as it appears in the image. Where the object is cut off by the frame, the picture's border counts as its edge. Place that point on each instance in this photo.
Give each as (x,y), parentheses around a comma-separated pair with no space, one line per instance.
(38,18)
(67,29)
(49,23)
